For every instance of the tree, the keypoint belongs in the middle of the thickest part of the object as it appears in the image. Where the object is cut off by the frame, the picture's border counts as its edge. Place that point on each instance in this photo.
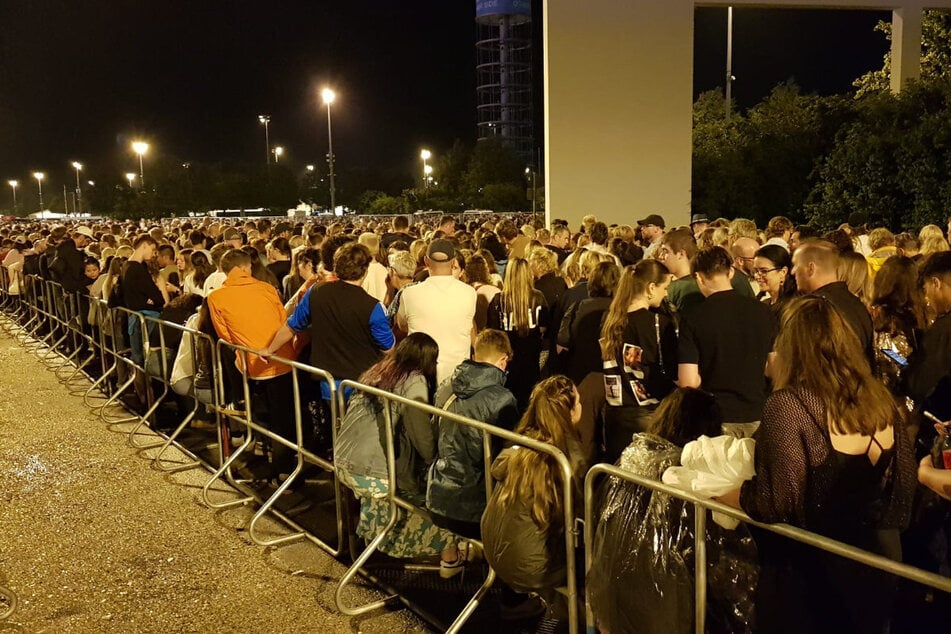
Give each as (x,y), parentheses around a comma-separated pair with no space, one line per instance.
(935,53)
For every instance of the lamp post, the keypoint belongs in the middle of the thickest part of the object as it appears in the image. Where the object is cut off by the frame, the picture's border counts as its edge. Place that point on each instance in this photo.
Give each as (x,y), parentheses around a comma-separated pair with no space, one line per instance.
(265,120)
(278,152)
(531,173)
(130,176)
(13,185)
(328,96)
(427,170)
(140,148)
(39,176)
(77,205)
(427,175)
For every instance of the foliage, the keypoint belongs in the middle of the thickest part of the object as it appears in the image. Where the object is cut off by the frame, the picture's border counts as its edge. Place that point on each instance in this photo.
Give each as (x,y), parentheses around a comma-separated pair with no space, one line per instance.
(935,54)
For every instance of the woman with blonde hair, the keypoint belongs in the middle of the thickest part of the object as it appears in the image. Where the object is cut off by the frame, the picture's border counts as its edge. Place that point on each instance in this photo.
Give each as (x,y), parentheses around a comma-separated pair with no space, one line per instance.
(853,269)
(639,353)
(520,312)
(932,240)
(524,522)
(833,457)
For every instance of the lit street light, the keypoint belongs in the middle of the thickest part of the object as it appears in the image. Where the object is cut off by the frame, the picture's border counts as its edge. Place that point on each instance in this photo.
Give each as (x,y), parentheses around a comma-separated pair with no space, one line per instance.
(427,169)
(310,168)
(265,119)
(140,148)
(39,176)
(77,205)
(529,172)
(131,177)
(13,185)
(278,153)
(328,96)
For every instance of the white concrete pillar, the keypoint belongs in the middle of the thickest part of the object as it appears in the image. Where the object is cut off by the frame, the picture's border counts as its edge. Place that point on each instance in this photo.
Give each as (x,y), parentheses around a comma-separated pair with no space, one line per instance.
(618,109)
(906,46)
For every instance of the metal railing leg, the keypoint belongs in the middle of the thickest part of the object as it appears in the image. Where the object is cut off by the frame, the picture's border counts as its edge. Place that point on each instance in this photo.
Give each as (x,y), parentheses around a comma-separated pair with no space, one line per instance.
(225,467)
(157,461)
(472,604)
(355,568)
(700,567)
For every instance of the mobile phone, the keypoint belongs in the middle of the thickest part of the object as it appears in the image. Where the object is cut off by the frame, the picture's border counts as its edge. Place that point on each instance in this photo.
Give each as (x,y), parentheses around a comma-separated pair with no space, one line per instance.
(894,356)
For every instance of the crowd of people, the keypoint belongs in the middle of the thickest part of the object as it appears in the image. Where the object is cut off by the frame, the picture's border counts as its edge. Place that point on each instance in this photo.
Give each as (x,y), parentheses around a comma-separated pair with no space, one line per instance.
(621,343)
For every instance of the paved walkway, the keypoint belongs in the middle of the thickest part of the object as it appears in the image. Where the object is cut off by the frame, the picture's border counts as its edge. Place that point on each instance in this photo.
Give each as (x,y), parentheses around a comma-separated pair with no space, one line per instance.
(94,540)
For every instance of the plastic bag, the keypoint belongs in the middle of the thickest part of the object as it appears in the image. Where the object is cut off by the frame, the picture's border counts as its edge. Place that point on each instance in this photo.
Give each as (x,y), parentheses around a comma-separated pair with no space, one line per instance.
(642,573)
(713,466)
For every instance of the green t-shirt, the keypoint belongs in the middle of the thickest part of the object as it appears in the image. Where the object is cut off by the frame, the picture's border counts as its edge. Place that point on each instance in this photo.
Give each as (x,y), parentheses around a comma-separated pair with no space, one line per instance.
(684,293)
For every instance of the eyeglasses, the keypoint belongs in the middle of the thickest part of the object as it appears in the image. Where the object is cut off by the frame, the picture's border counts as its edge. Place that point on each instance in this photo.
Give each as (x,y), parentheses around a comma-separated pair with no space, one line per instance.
(763,271)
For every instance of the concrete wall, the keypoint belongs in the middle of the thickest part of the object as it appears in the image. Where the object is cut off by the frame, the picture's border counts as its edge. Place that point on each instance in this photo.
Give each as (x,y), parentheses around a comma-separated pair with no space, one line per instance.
(618,100)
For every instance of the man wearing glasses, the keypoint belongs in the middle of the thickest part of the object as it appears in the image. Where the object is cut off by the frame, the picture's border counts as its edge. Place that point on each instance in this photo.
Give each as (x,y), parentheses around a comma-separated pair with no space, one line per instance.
(744,253)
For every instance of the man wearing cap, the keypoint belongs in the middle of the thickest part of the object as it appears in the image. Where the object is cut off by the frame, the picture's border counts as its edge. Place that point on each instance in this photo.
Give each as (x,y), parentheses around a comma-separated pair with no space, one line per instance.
(282,230)
(69,268)
(232,237)
(698,224)
(442,307)
(652,231)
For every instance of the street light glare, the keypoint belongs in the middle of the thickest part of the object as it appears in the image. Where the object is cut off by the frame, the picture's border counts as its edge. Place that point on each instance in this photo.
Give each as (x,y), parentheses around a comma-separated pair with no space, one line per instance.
(140,147)
(279,150)
(328,95)
(427,170)
(310,168)
(39,175)
(77,165)
(425,155)
(264,118)
(13,183)
(130,176)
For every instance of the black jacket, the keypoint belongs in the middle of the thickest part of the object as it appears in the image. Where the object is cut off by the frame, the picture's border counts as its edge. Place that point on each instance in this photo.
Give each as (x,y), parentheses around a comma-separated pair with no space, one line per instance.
(68,268)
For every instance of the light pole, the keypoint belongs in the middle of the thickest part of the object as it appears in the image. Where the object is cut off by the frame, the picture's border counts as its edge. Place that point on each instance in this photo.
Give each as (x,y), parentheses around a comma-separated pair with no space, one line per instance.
(265,119)
(39,176)
(131,178)
(278,152)
(140,148)
(77,206)
(427,175)
(427,170)
(531,173)
(729,62)
(328,96)
(13,186)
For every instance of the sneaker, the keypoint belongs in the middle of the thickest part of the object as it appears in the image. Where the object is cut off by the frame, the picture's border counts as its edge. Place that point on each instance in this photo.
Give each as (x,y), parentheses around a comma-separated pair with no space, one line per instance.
(465,552)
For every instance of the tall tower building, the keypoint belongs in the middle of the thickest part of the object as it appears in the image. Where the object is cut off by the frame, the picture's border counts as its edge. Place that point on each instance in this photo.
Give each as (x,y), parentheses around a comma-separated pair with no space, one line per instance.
(504,72)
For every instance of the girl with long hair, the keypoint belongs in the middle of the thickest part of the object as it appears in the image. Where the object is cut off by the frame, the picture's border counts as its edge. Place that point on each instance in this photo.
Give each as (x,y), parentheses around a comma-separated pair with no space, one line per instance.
(853,270)
(478,277)
(833,457)
(898,316)
(639,353)
(523,524)
(360,454)
(932,240)
(303,275)
(521,312)
(201,268)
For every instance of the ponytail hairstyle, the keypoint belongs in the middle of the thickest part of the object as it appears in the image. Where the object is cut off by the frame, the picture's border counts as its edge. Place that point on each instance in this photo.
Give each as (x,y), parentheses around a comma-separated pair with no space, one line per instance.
(536,475)
(635,281)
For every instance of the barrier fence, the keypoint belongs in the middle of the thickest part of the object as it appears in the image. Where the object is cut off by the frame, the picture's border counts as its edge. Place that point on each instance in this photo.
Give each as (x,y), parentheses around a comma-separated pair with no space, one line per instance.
(52,323)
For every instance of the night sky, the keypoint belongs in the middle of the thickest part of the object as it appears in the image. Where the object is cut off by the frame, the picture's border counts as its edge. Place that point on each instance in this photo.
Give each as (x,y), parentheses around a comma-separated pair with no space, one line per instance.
(80,80)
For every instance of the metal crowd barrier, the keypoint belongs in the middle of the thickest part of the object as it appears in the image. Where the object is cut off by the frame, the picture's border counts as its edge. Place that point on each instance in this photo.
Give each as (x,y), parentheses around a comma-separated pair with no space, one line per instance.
(255,428)
(700,508)
(396,502)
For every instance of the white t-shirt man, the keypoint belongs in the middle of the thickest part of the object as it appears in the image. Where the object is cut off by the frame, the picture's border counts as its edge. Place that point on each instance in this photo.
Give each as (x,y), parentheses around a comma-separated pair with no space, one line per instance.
(375,281)
(443,308)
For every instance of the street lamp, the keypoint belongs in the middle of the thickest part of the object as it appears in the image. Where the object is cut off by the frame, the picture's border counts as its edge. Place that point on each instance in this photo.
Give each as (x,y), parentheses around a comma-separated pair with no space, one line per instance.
(265,119)
(427,175)
(427,170)
(131,178)
(529,172)
(278,152)
(79,190)
(39,176)
(13,185)
(140,148)
(310,168)
(328,96)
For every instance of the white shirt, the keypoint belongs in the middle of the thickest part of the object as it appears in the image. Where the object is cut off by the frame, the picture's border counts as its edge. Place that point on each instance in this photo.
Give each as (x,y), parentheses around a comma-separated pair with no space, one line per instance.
(213,281)
(443,308)
(375,281)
